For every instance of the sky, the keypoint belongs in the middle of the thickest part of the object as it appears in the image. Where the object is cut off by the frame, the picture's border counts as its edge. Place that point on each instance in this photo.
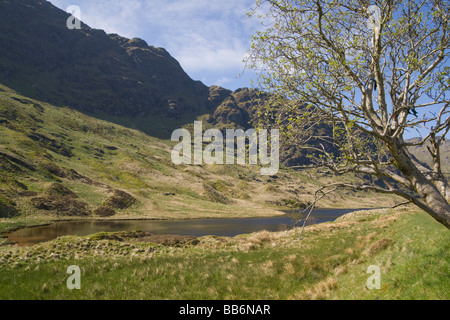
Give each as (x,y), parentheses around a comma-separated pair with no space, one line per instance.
(209,38)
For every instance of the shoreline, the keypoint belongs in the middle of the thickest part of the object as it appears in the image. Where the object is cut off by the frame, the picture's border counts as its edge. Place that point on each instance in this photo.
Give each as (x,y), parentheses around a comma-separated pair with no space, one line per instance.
(285,214)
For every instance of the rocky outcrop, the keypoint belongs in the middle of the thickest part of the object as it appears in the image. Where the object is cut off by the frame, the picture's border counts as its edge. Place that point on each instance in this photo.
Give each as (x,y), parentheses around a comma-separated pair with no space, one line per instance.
(7,206)
(230,113)
(236,108)
(61,206)
(216,96)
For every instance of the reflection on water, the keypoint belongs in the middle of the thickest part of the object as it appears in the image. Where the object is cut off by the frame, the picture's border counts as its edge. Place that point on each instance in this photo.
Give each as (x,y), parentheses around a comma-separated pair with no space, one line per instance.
(198,227)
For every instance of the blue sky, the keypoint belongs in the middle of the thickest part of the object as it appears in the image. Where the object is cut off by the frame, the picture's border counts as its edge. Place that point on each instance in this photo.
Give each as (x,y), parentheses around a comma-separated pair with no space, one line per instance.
(208,37)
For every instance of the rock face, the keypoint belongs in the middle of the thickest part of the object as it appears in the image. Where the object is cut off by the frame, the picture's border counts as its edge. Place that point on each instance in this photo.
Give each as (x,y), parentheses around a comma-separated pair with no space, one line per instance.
(237,108)
(229,112)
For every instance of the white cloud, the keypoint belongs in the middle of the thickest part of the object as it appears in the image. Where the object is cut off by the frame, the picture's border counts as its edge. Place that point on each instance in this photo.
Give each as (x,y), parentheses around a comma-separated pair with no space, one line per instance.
(204,34)
(113,16)
(223,82)
(200,57)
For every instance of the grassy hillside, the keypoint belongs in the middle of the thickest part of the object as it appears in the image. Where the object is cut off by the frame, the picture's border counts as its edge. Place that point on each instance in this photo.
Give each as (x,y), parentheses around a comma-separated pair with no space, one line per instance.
(55,153)
(56,163)
(331,262)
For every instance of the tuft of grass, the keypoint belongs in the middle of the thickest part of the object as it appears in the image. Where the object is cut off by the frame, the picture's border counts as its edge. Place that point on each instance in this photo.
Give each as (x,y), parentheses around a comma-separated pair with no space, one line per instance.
(379,246)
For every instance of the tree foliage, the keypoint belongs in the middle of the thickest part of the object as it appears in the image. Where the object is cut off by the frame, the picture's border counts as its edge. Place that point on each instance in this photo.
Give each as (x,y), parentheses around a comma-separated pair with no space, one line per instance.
(375,73)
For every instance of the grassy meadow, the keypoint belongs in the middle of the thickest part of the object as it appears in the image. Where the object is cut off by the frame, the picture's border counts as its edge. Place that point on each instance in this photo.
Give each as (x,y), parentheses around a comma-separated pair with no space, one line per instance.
(330,262)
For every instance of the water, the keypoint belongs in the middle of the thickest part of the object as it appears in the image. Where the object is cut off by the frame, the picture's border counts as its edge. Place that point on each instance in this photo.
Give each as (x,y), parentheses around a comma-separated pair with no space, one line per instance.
(195,227)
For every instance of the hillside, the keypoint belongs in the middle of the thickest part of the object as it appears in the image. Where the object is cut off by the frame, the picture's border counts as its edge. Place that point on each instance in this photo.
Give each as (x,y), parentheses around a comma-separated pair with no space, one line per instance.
(423,155)
(104,75)
(58,162)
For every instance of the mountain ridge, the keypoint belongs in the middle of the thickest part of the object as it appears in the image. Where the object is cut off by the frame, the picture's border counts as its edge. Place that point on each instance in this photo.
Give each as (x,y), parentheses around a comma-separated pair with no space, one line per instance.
(110,77)
(91,71)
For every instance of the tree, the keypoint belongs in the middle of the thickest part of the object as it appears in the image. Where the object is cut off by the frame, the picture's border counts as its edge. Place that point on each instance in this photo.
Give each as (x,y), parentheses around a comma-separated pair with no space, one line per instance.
(375,74)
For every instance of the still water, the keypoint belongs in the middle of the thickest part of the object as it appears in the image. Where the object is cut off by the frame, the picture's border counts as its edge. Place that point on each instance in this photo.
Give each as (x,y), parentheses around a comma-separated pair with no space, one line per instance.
(195,227)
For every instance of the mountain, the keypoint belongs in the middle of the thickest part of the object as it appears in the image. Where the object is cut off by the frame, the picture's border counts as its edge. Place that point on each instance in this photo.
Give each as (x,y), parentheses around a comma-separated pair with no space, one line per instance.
(105,75)
(124,81)
(121,80)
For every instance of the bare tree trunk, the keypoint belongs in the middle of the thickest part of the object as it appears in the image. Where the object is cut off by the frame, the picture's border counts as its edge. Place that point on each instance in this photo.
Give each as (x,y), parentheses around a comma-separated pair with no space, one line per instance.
(433,202)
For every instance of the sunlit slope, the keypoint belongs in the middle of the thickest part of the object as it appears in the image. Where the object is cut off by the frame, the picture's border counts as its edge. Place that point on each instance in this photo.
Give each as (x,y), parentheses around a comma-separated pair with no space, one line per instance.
(58,162)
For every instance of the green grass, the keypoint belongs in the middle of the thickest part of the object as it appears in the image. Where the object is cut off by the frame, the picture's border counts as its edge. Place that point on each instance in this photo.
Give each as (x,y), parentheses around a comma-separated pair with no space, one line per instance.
(415,266)
(329,263)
